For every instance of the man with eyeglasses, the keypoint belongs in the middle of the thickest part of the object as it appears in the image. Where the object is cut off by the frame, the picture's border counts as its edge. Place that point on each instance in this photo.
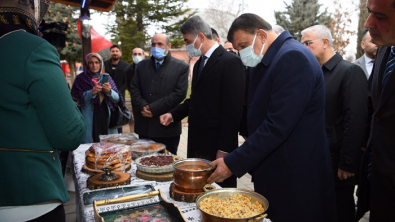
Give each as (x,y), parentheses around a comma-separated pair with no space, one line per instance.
(346,113)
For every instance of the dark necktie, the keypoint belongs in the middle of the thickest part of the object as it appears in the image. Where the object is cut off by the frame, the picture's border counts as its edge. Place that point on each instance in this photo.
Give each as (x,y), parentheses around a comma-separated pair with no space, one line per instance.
(389,67)
(201,65)
(158,65)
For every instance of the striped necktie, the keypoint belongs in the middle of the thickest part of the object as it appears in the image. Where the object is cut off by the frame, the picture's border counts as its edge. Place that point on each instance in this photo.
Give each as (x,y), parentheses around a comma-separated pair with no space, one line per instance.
(389,67)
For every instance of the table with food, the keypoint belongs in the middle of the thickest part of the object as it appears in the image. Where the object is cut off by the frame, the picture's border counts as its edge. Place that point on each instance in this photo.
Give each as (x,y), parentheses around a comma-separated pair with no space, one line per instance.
(126,179)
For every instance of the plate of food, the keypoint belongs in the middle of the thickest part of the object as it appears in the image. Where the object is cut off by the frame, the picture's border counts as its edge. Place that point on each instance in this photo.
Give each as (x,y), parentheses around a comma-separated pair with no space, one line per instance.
(156,163)
(145,147)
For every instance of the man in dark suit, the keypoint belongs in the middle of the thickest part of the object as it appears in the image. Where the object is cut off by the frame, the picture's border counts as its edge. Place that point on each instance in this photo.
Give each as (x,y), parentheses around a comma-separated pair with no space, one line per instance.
(118,69)
(216,102)
(286,146)
(346,115)
(377,184)
(370,49)
(160,83)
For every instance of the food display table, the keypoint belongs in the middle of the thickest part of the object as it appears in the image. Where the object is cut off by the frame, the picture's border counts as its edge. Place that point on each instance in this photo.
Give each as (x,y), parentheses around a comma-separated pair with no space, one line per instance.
(85,213)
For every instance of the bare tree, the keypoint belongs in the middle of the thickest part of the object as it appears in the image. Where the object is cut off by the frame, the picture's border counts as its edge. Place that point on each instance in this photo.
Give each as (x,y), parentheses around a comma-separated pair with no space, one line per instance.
(221,14)
(340,28)
(363,15)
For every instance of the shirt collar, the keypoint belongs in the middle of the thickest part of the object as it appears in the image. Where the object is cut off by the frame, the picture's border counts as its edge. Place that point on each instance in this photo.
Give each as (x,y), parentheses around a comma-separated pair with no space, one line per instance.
(211,50)
(367,59)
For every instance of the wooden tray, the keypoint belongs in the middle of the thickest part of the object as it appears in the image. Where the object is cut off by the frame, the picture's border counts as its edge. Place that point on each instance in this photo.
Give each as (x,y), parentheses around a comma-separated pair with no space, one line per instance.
(93,182)
(91,171)
(156,177)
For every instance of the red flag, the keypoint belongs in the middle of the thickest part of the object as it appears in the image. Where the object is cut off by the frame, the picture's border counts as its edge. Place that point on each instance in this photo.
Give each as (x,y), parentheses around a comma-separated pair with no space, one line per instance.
(98,41)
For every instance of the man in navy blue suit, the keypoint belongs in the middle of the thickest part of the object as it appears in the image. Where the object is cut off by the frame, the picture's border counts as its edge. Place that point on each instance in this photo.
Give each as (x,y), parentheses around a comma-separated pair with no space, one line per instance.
(286,150)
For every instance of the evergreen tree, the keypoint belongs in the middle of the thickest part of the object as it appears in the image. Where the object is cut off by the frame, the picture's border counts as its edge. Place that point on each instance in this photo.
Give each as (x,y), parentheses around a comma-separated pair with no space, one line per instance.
(363,15)
(73,50)
(301,14)
(133,17)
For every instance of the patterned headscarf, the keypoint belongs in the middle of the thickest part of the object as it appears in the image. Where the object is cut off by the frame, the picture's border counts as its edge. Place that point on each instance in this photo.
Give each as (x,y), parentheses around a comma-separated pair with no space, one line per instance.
(84,83)
(21,14)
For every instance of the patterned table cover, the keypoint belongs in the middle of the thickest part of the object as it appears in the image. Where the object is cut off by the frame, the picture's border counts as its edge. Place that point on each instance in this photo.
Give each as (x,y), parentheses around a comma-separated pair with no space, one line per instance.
(85,212)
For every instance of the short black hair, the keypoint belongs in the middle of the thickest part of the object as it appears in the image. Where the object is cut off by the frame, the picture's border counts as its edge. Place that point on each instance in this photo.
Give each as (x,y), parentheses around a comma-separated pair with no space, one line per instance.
(363,33)
(115,46)
(249,23)
(215,33)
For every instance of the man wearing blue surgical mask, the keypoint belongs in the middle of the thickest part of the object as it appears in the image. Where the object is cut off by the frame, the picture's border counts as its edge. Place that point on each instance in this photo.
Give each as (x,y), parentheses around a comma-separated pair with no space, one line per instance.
(215,107)
(286,148)
(159,85)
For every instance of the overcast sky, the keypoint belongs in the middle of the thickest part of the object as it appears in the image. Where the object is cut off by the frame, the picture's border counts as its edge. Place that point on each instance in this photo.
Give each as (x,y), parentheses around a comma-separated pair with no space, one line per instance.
(263,8)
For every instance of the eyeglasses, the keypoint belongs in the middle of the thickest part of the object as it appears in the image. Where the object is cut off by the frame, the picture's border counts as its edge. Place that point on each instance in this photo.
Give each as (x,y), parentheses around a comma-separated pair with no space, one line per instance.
(309,42)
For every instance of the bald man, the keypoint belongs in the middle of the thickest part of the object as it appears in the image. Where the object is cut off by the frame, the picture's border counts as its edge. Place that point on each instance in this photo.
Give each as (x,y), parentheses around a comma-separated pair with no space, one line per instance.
(160,83)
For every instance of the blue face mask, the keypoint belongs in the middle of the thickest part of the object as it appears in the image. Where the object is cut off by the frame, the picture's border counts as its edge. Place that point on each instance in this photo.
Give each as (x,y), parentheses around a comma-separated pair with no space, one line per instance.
(158,53)
(248,56)
(191,49)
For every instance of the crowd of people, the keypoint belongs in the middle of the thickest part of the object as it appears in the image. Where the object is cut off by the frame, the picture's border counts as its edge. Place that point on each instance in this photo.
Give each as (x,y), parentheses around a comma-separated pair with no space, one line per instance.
(315,125)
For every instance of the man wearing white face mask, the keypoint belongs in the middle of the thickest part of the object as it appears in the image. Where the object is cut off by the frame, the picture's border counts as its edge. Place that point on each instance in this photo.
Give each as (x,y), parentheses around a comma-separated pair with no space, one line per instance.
(160,83)
(216,103)
(138,55)
(286,150)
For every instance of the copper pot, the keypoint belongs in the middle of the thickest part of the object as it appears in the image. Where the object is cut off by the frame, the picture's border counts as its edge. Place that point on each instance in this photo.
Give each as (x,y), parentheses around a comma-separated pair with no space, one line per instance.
(227,192)
(190,175)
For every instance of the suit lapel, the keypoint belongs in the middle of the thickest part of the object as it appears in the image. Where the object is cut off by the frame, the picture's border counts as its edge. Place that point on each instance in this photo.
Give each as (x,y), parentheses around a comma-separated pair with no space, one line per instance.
(390,85)
(209,64)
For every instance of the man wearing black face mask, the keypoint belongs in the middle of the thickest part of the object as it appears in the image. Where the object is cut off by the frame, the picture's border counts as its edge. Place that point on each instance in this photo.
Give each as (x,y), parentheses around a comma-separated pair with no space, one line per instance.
(159,84)
(286,147)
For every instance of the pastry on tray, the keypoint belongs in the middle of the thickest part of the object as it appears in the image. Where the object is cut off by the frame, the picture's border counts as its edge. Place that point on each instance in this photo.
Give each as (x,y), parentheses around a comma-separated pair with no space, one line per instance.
(108,155)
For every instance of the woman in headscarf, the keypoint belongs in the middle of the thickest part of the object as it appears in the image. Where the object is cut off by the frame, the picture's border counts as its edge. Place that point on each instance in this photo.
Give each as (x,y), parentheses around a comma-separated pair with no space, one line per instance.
(38,117)
(96,98)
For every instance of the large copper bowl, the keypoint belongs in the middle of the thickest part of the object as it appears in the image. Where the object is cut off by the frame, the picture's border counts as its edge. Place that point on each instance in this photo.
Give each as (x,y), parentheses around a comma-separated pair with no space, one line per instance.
(190,175)
(227,192)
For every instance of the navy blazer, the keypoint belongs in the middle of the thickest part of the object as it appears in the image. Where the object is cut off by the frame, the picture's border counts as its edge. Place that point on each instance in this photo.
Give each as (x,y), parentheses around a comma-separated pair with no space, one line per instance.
(287,147)
(378,195)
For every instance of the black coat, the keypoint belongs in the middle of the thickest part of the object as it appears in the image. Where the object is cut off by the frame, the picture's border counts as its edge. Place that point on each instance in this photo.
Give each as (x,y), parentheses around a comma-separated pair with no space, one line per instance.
(162,89)
(287,145)
(119,75)
(379,194)
(346,114)
(215,106)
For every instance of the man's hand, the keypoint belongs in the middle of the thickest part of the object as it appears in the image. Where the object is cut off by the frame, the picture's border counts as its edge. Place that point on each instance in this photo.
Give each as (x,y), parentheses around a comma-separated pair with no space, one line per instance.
(166,119)
(221,173)
(106,87)
(344,175)
(146,112)
(220,154)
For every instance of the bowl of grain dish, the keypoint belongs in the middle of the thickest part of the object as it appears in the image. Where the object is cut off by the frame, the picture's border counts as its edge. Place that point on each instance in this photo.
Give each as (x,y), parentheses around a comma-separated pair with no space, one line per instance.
(232,204)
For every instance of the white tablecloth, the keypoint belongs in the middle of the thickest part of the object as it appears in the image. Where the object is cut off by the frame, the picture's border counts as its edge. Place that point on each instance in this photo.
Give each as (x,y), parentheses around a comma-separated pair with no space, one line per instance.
(85,212)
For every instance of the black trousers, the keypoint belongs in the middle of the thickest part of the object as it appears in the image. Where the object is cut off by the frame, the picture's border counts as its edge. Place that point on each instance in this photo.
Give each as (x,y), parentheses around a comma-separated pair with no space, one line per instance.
(56,215)
(345,203)
(170,142)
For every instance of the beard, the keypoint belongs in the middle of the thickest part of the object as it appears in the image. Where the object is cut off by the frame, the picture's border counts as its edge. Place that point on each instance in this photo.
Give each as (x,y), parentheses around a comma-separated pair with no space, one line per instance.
(115,58)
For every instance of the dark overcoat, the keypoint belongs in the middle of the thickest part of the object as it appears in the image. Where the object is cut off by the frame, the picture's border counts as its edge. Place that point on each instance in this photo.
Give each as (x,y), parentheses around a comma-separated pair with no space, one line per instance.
(215,105)
(287,147)
(162,89)
(381,189)
(119,75)
(346,111)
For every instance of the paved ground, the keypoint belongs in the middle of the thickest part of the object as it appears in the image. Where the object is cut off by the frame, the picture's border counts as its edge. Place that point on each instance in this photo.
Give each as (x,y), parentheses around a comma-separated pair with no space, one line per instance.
(244,182)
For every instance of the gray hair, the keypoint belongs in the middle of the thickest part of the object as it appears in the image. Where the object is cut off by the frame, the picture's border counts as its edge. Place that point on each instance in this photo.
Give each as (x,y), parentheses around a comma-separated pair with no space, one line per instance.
(321,31)
(194,25)
(278,29)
